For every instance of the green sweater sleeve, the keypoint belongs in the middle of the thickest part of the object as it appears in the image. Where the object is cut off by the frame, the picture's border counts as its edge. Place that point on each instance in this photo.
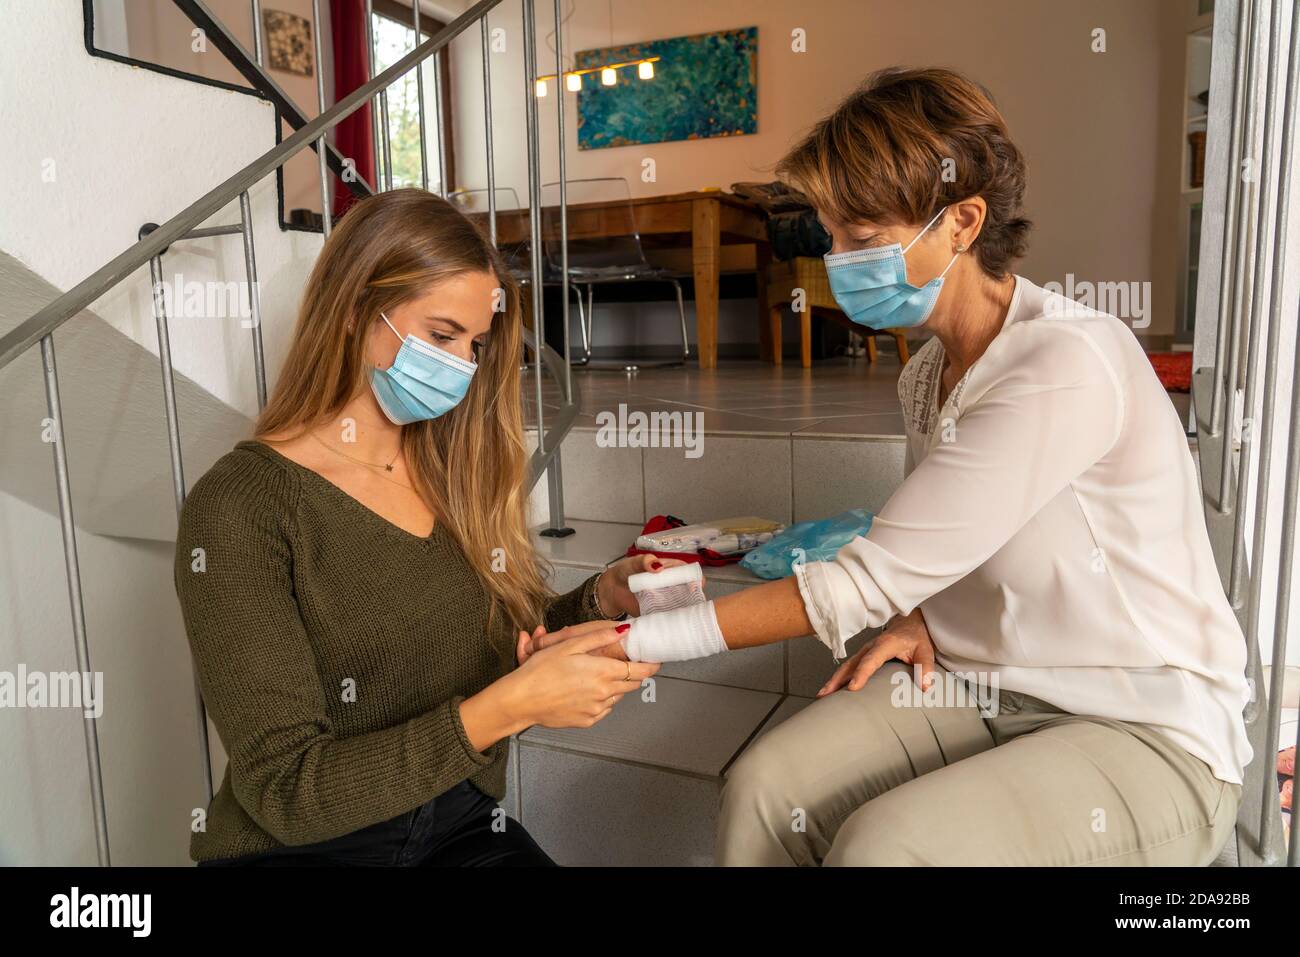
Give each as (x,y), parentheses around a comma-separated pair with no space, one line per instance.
(289,772)
(573,607)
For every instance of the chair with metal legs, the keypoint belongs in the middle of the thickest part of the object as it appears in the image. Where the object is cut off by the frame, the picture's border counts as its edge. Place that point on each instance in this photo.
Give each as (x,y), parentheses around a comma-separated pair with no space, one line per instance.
(608,251)
(516,254)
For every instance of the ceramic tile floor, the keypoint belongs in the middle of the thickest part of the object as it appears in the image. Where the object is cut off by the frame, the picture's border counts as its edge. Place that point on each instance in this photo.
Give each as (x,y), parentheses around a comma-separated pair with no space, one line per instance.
(837,397)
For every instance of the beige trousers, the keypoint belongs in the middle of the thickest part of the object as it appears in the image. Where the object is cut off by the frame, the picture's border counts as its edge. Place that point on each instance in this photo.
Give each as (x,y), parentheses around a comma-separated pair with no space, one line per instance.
(854,779)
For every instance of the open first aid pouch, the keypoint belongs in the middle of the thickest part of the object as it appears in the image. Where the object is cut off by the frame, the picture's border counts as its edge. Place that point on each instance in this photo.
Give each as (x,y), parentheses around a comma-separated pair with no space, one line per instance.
(816,541)
(726,535)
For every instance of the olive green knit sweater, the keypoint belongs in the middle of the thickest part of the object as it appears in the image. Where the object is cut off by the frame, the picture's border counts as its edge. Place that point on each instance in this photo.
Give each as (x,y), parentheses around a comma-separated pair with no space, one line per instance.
(333,650)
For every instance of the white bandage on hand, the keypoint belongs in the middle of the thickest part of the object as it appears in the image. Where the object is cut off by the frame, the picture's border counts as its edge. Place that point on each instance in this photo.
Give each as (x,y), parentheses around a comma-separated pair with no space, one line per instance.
(677,635)
(674,587)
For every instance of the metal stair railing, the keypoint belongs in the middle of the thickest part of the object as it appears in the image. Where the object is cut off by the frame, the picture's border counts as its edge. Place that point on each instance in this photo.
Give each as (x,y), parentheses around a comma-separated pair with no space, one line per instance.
(154,241)
(1236,309)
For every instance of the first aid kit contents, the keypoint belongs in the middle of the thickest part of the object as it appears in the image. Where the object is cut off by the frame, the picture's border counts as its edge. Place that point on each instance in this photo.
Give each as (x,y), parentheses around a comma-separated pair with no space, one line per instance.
(816,541)
(674,587)
(726,536)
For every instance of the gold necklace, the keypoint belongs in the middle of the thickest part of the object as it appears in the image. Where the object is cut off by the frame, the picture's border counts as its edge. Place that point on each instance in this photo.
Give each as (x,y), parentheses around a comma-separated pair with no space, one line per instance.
(369,465)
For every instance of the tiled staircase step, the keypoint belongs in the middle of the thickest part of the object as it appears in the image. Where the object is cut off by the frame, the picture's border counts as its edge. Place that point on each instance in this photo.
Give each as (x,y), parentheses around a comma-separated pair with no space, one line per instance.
(735,475)
(689,727)
(593,544)
(588,810)
(593,812)
(782,477)
(831,475)
(605,484)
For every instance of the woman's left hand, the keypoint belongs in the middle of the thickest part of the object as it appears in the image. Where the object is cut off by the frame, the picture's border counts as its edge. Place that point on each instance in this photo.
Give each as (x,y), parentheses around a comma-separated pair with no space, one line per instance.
(614,595)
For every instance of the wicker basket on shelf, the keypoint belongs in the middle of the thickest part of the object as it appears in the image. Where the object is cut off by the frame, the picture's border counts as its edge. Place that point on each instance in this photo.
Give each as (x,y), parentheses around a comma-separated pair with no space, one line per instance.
(809,274)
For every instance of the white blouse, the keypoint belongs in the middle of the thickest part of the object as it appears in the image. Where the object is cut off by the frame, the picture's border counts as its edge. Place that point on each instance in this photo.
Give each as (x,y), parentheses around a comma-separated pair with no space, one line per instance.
(1051,531)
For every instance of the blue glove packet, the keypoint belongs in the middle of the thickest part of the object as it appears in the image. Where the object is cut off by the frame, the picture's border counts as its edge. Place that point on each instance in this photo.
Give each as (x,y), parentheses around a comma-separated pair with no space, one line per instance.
(816,541)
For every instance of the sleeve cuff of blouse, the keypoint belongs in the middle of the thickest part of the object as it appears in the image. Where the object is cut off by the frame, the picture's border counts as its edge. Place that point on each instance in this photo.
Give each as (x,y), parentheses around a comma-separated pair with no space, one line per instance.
(453,716)
(819,605)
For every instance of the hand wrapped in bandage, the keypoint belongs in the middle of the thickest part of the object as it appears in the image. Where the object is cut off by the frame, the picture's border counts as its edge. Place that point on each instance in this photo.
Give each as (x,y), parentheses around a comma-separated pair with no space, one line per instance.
(677,635)
(615,593)
(677,623)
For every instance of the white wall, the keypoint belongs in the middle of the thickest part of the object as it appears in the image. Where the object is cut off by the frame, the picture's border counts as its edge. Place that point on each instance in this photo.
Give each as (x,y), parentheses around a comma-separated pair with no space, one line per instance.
(160,33)
(126,146)
(148,747)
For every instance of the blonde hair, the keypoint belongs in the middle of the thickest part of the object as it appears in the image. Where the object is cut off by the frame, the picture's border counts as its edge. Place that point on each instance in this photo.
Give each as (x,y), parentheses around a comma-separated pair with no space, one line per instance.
(469,465)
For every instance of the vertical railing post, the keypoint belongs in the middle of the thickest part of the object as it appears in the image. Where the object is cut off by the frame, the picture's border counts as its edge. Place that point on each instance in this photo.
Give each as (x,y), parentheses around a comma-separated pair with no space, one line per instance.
(159,301)
(560,92)
(419,99)
(254,297)
(1243,292)
(443,186)
(386,132)
(326,218)
(1287,554)
(1281,196)
(374,102)
(534,215)
(178,480)
(1232,203)
(257,32)
(1282,621)
(487,127)
(90,727)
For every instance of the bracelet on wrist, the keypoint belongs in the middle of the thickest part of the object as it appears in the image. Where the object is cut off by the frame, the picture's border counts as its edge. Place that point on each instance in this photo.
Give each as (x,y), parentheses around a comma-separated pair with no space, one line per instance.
(595,599)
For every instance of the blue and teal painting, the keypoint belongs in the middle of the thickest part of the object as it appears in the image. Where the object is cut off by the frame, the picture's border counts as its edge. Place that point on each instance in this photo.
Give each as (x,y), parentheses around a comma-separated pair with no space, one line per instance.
(704,85)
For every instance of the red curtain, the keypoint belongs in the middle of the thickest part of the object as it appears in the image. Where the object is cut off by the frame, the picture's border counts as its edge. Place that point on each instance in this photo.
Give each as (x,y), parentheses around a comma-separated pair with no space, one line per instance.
(351,69)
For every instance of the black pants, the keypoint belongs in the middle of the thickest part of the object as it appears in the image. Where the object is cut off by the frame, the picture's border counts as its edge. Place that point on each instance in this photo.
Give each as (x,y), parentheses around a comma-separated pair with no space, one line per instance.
(461,828)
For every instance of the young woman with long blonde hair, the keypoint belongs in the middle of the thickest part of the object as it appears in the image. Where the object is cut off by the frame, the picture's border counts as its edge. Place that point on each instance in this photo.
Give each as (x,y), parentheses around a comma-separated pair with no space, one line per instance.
(355,579)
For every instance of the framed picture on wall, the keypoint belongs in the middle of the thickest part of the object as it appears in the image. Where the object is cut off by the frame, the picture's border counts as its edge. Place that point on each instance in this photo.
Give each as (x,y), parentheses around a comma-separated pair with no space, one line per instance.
(288,42)
(700,86)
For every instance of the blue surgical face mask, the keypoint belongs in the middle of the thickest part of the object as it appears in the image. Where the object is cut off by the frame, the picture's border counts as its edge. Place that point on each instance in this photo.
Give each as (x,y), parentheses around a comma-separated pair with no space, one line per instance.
(871,285)
(422,383)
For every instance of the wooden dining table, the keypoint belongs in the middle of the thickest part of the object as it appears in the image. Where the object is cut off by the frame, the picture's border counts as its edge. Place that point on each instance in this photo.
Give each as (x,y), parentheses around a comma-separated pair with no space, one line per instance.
(703,220)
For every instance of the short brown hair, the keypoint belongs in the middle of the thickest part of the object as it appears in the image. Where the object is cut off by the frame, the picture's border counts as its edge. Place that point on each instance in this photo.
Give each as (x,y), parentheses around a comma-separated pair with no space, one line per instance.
(880,157)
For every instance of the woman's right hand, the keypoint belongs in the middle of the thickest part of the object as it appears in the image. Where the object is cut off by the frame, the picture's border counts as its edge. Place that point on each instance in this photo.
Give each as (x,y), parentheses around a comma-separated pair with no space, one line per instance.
(566,686)
(907,639)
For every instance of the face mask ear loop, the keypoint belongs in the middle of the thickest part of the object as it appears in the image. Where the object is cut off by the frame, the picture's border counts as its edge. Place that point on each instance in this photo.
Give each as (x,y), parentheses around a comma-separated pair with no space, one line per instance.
(925,229)
(949,266)
(390,326)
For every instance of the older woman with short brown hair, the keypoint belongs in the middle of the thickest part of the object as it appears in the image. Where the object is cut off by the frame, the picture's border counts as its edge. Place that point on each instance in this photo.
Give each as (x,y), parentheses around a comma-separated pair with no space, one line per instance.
(1045,557)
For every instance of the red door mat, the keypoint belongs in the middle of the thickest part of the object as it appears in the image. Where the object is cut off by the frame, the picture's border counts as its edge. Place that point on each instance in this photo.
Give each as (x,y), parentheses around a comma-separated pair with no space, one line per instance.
(1173,369)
